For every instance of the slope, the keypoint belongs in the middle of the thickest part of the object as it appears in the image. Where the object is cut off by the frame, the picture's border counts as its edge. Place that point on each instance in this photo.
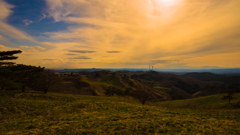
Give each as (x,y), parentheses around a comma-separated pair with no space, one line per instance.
(177,83)
(206,102)
(33,113)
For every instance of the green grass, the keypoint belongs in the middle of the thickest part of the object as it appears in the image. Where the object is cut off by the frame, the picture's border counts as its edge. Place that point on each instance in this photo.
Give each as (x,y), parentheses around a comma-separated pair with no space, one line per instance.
(100,84)
(35,113)
(207,102)
(163,89)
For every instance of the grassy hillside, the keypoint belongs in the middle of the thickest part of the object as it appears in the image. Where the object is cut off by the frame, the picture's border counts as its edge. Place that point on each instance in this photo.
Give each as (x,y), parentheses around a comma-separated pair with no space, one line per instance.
(97,84)
(180,87)
(34,113)
(207,102)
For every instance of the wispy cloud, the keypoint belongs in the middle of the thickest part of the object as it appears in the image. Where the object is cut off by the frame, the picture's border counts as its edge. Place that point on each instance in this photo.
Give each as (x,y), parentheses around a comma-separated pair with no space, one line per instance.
(80,57)
(43,17)
(27,22)
(113,51)
(8,30)
(5,9)
(49,59)
(32,48)
(71,54)
(81,51)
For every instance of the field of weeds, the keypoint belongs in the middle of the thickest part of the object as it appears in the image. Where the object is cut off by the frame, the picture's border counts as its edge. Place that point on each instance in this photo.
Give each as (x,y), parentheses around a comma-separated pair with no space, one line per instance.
(34,113)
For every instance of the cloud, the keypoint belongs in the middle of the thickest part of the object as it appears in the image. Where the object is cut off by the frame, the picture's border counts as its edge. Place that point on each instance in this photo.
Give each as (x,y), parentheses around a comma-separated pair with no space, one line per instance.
(81,57)
(71,54)
(5,10)
(161,61)
(113,51)
(55,60)
(5,48)
(49,59)
(43,17)
(165,62)
(27,22)
(32,48)
(81,51)
(164,34)
(8,30)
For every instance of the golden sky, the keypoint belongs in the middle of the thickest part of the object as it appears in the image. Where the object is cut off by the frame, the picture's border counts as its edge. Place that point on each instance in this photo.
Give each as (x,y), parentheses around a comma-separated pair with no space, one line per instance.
(128,34)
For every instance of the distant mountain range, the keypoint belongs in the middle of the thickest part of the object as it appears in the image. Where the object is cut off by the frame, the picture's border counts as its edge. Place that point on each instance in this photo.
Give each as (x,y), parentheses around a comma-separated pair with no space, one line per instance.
(174,71)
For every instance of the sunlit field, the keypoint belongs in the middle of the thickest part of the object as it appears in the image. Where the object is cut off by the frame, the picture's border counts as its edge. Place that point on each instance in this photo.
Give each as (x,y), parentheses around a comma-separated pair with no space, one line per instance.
(35,113)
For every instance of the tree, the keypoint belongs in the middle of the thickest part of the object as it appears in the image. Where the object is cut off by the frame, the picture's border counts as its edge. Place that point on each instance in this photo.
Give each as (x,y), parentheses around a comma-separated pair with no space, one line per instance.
(142,94)
(110,91)
(5,73)
(47,80)
(229,95)
(20,74)
(8,55)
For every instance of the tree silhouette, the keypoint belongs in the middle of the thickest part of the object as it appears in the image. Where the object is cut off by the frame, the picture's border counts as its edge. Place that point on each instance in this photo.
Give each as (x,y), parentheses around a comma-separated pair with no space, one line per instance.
(141,95)
(8,55)
(229,95)
(47,80)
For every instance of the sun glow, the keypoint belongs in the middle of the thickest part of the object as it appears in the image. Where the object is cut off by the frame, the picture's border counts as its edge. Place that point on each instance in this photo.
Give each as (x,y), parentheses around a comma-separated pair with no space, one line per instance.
(168,2)
(167,8)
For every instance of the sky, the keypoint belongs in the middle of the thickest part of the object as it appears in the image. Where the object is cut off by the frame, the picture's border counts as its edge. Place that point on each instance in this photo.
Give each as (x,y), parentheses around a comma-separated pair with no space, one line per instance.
(172,34)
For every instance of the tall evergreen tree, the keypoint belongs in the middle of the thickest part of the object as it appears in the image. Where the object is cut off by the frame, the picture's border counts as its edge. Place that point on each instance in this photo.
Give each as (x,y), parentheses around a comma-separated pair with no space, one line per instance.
(8,55)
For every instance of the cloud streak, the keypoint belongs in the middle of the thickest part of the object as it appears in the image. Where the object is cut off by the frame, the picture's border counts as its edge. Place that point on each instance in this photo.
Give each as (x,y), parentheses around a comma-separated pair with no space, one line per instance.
(80,57)
(81,51)
(27,22)
(113,51)
(32,48)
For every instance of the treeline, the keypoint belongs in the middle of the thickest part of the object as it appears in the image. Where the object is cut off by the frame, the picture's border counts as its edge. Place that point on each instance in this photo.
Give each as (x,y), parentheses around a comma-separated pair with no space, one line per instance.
(19,76)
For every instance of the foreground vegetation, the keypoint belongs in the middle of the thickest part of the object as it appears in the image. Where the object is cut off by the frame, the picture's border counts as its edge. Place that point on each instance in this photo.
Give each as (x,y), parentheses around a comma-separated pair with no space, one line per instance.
(36,113)
(206,102)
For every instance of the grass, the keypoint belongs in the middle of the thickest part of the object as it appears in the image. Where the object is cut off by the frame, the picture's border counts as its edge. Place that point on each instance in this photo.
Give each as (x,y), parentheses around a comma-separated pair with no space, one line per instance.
(35,113)
(163,89)
(207,102)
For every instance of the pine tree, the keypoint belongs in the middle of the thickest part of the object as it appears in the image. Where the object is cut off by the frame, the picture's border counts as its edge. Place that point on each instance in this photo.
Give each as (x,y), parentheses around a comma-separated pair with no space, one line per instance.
(8,55)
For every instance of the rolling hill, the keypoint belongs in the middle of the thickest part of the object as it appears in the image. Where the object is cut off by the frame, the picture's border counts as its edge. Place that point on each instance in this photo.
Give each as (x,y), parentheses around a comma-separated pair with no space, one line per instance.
(37,113)
(183,86)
